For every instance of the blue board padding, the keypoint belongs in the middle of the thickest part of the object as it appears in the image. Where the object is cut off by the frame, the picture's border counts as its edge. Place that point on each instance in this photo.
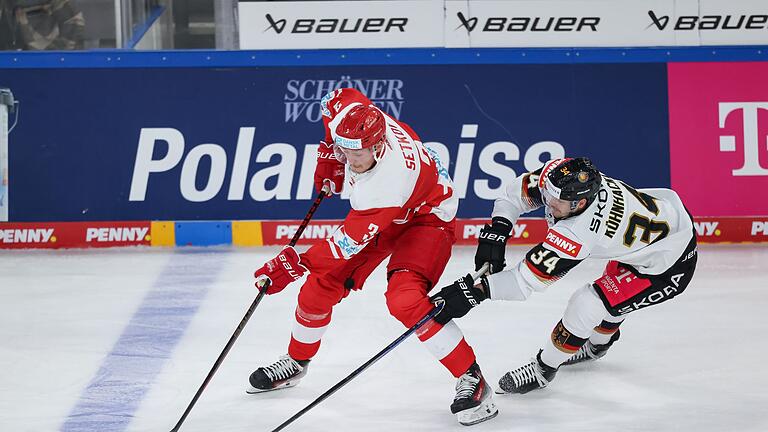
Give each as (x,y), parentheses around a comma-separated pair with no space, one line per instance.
(203,233)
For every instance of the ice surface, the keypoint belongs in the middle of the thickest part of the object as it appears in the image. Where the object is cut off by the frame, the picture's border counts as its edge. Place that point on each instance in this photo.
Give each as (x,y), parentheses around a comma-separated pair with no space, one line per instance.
(120,340)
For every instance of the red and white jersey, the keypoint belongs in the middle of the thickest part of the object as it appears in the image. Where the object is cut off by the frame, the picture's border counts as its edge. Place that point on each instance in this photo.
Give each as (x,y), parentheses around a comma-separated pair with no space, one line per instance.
(408,181)
(646,228)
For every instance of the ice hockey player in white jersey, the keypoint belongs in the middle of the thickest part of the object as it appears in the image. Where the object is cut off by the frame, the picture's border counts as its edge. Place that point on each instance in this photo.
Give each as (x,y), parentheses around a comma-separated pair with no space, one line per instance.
(646,234)
(403,209)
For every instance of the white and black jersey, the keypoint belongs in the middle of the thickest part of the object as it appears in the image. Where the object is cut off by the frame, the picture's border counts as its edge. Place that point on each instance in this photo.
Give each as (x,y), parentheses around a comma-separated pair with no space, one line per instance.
(647,229)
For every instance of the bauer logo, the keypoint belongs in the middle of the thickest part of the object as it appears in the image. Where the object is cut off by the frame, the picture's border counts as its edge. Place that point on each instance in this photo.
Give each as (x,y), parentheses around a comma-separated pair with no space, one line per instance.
(342,26)
(529,23)
(35,235)
(120,234)
(562,243)
(473,231)
(302,98)
(718,117)
(708,22)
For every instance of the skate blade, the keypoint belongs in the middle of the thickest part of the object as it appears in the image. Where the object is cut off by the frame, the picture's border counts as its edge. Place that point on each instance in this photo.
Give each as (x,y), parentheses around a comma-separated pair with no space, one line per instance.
(501,391)
(575,362)
(253,390)
(485,411)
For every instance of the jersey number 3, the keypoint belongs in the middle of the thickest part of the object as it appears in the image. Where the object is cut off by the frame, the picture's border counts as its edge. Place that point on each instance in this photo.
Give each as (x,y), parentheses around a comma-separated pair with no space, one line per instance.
(647,225)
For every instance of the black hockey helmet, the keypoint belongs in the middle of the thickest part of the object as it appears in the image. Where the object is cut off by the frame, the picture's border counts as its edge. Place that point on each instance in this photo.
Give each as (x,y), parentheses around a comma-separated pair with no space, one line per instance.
(571,179)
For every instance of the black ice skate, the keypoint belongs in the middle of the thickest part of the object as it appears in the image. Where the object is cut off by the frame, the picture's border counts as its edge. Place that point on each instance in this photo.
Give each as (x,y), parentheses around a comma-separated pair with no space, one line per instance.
(285,372)
(474,400)
(589,352)
(532,376)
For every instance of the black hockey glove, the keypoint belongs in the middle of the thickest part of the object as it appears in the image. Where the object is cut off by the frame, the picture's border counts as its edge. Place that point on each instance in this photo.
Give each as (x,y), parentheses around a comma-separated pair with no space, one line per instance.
(492,244)
(459,298)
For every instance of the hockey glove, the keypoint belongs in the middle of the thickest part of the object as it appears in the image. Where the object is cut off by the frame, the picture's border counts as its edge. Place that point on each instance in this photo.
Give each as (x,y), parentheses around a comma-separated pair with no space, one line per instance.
(329,170)
(459,298)
(280,271)
(492,244)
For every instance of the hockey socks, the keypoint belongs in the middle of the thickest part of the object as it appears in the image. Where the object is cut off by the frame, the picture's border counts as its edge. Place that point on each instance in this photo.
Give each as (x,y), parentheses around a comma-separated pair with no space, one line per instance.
(447,344)
(308,330)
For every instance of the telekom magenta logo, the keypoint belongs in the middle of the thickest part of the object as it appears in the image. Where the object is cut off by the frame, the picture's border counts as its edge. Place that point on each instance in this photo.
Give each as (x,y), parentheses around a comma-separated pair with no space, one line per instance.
(751,139)
(718,136)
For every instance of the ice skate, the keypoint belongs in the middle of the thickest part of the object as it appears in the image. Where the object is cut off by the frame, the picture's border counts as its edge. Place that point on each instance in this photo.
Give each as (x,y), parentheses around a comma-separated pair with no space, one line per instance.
(474,400)
(285,372)
(590,352)
(531,376)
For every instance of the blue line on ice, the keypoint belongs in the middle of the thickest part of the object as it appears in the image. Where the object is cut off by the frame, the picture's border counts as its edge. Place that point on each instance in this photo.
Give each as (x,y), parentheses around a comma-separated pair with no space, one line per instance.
(110,400)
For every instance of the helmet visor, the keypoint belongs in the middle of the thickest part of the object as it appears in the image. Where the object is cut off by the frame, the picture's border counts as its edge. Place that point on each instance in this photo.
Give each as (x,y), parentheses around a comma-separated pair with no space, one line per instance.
(547,196)
(340,156)
(377,150)
(553,202)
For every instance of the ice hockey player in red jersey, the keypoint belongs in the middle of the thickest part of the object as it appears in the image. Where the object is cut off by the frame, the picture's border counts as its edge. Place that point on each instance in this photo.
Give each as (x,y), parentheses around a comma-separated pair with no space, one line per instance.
(403,208)
(646,234)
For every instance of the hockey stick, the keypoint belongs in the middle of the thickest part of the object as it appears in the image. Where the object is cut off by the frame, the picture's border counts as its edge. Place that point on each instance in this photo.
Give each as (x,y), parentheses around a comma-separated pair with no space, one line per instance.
(436,310)
(248,314)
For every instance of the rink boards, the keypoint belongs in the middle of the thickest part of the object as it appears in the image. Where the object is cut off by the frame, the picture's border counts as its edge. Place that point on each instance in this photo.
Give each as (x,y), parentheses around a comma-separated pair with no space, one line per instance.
(261,233)
(222,136)
(208,148)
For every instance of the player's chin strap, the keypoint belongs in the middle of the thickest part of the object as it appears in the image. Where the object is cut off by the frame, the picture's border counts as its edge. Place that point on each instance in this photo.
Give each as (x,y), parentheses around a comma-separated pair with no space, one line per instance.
(427,318)
(379,149)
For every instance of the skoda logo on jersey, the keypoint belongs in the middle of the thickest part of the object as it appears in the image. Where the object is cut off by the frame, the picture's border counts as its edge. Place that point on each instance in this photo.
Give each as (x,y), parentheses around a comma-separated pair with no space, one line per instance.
(353,144)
